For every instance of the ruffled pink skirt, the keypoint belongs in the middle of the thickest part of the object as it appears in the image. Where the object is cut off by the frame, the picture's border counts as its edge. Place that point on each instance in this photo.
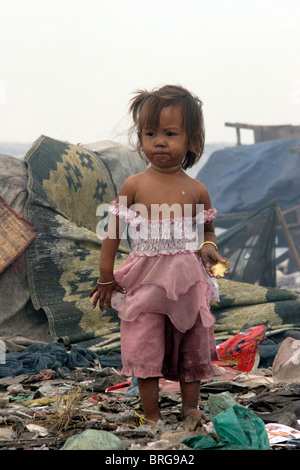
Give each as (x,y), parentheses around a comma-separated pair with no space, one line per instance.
(175,285)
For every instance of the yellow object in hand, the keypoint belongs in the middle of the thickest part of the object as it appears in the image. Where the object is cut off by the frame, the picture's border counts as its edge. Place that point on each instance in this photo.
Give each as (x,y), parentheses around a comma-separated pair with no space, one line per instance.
(219,268)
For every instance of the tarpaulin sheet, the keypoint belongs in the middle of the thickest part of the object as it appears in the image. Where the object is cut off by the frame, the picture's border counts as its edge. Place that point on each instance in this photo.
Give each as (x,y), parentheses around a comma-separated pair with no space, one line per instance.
(243,178)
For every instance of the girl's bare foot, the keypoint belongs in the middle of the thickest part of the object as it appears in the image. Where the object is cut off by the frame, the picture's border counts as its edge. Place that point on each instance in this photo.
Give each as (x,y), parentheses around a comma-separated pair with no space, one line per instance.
(192,412)
(190,396)
(148,389)
(193,419)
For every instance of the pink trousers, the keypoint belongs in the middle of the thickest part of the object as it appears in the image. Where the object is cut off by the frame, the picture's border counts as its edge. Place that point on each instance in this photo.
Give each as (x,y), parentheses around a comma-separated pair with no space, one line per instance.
(152,347)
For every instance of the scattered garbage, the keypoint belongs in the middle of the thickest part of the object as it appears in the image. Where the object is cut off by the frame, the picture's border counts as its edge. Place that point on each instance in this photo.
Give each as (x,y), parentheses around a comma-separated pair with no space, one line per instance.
(93,407)
(279,433)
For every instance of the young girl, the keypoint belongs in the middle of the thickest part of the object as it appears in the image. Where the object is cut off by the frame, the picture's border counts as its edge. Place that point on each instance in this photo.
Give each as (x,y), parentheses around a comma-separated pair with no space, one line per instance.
(166,283)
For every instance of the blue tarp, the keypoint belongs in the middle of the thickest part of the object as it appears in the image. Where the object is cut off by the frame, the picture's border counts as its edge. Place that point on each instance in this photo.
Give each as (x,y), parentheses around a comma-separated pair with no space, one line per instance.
(244,178)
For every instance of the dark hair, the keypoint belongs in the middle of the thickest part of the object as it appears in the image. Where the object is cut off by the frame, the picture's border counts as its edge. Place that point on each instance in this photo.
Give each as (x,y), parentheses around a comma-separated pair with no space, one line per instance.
(146,108)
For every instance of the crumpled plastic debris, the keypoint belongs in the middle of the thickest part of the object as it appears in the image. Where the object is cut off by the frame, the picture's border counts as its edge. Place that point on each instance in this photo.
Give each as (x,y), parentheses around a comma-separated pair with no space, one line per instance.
(286,365)
(91,439)
(241,351)
(217,403)
(237,428)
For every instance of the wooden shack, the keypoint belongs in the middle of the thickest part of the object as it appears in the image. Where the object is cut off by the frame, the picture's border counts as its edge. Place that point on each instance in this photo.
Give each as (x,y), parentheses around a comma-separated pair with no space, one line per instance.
(263,133)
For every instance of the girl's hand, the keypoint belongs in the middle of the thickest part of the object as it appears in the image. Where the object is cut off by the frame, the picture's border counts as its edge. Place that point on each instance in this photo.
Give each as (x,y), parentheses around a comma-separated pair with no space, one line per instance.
(103,294)
(211,256)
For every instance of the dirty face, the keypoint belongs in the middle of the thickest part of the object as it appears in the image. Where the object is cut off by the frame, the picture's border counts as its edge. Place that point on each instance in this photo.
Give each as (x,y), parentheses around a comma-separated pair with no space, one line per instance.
(166,145)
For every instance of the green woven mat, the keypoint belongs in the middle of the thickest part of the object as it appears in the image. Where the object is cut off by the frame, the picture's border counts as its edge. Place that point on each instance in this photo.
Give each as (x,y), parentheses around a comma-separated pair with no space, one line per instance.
(66,185)
(247,304)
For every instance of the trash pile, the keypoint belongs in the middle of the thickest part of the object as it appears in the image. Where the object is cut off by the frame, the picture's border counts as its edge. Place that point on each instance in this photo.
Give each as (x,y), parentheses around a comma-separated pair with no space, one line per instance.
(54,398)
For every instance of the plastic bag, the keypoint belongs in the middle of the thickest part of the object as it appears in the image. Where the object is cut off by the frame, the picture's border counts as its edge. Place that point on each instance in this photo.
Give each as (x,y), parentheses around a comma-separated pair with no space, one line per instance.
(286,365)
(217,403)
(240,352)
(92,439)
(236,428)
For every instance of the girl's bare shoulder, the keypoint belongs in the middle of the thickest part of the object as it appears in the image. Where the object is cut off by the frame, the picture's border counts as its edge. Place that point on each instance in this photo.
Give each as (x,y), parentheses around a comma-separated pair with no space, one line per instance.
(129,188)
(197,186)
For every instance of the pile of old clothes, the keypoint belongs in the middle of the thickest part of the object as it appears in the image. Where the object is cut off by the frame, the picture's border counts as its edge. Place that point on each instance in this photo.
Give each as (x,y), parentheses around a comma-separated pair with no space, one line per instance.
(39,356)
(269,348)
(278,406)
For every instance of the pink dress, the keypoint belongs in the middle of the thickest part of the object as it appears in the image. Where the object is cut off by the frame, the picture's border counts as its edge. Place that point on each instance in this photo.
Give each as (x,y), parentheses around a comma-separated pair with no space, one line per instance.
(164,275)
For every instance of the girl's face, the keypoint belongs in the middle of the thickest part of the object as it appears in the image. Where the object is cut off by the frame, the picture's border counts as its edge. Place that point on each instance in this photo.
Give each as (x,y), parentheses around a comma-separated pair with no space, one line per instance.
(166,145)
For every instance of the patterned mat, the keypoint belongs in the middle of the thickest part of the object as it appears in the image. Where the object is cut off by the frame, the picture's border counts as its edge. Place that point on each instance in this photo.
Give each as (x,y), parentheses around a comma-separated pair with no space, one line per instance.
(15,235)
(66,185)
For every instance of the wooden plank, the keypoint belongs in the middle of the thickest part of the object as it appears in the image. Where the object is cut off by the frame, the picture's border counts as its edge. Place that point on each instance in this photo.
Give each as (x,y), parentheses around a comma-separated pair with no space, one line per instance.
(288,235)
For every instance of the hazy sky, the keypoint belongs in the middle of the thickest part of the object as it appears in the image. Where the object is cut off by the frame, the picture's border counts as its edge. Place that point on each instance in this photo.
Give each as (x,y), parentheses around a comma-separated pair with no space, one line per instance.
(69,67)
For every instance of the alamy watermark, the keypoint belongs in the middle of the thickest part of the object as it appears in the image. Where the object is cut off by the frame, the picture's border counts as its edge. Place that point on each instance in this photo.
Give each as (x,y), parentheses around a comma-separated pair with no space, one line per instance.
(165,222)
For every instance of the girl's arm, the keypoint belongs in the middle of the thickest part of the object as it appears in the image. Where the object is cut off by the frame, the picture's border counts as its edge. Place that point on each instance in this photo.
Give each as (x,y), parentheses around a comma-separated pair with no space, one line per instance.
(103,289)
